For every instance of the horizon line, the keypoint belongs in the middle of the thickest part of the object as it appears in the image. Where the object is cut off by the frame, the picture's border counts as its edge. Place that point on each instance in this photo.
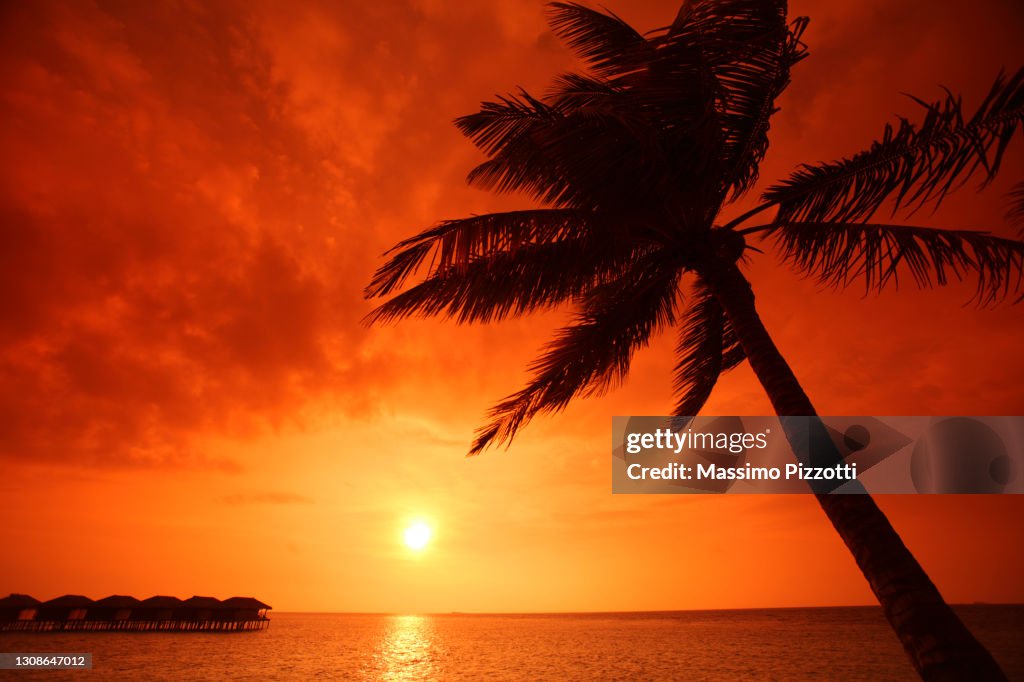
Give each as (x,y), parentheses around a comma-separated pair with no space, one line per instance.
(617,612)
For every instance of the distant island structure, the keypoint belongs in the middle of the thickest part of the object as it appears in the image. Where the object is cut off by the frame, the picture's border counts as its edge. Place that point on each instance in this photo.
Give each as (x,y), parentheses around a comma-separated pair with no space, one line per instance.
(75,613)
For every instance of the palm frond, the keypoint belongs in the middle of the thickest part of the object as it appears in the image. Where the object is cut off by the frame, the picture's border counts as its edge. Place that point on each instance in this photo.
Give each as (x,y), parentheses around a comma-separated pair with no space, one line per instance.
(574,91)
(1015,212)
(455,243)
(578,97)
(506,121)
(725,30)
(707,348)
(506,284)
(593,353)
(912,164)
(607,44)
(590,158)
(838,254)
(671,123)
(748,51)
(753,88)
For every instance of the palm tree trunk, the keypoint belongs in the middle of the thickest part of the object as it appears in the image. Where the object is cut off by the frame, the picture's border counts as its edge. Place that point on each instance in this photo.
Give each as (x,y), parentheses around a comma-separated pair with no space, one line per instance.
(940,647)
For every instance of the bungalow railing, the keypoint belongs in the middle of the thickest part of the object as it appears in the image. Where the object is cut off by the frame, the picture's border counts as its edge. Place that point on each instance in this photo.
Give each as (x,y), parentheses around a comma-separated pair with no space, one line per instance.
(172,625)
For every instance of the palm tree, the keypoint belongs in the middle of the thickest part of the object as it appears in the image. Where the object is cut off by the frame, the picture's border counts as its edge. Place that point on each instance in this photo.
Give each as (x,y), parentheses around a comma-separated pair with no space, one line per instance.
(632,162)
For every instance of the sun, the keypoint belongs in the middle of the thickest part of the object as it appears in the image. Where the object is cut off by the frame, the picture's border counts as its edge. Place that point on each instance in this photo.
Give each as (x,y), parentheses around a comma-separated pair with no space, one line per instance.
(417,536)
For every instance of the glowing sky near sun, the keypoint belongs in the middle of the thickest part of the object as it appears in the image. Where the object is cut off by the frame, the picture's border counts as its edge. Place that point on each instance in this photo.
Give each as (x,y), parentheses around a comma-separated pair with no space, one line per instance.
(193,196)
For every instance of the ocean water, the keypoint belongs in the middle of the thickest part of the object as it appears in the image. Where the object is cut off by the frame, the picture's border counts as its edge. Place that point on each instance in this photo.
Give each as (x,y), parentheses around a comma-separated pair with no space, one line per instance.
(775,644)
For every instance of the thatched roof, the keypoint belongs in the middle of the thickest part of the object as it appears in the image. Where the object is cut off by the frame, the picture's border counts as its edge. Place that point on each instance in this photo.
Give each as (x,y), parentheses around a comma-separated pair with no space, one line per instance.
(201,603)
(244,603)
(160,602)
(67,601)
(18,601)
(117,601)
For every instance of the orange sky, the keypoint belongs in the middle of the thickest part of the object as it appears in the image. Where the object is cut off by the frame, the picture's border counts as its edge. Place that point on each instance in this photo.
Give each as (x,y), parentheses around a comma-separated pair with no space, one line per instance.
(192,201)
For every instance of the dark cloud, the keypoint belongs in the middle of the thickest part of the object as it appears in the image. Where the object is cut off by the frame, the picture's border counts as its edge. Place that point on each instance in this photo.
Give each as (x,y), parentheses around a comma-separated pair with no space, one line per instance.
(193,195)
(171,254)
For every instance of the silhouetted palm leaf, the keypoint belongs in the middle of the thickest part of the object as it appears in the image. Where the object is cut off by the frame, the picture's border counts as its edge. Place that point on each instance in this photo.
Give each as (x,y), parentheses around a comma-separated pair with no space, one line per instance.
(749,51)
(1015,213)
(584,157)
(454,243)
(912,164)
(839,254)
(607,44)
(686,128)
(528,278)
(501,123)
(592,354)
(707,348)
(577,91)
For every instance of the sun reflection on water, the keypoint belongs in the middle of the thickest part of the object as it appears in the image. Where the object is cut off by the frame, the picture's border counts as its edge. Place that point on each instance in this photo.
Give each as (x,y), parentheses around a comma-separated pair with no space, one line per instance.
(408,650)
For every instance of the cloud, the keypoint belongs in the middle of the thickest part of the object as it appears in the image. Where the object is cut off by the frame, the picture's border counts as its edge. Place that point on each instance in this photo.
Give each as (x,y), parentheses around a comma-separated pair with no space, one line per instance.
(171,256)
(193,196)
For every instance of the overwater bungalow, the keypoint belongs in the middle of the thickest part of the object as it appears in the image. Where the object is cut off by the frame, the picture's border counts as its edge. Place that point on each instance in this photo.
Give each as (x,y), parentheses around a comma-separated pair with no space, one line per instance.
(15,607)
(66,608)
(199,608)
(72,612)
(157,608)
(244,608)
(116,607)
